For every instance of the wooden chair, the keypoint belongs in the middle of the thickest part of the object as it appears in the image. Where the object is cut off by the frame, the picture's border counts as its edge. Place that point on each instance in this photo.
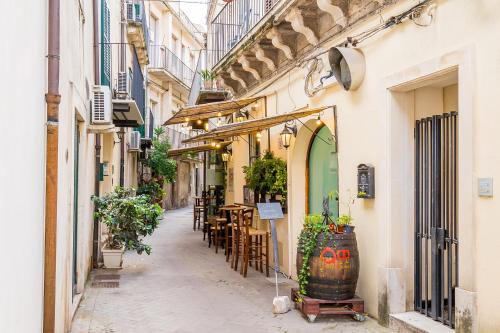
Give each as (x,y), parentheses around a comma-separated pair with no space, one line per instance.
(216,231)
(198,210)
(255,246)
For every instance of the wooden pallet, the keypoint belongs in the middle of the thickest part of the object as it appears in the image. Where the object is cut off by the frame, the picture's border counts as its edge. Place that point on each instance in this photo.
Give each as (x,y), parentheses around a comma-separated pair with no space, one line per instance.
(312,307)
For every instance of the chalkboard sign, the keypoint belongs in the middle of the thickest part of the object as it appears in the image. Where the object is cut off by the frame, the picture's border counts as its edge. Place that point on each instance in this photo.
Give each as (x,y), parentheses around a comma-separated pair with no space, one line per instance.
(270,211)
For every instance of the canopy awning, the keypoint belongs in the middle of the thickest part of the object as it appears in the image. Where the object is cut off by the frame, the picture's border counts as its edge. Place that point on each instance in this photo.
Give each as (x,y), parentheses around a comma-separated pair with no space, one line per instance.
(197,149)
(126,113)
(254,125)
(210,110)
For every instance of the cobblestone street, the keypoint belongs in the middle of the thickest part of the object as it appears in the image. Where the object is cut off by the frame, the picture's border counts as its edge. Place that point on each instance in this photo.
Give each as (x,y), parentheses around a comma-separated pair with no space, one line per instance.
(185,287)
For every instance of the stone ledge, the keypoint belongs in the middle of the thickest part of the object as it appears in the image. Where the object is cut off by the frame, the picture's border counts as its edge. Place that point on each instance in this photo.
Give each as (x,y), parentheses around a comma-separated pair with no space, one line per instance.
(415,322)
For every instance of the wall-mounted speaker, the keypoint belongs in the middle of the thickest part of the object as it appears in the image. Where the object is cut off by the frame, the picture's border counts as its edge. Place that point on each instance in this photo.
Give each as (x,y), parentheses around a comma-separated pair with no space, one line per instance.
(348,66)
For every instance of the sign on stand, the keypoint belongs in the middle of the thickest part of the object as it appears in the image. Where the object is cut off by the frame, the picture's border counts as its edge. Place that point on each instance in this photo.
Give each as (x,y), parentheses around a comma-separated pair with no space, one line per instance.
(272,211)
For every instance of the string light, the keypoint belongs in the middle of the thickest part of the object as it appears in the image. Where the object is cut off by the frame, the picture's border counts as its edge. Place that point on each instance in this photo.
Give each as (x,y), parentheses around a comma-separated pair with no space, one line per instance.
(186,119)
(318,121)
(258,135)
(219,114)
(198,121)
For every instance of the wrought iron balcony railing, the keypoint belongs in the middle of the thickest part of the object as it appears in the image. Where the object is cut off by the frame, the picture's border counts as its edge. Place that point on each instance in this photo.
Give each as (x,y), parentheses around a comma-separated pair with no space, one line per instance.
(161,57)
(233,22)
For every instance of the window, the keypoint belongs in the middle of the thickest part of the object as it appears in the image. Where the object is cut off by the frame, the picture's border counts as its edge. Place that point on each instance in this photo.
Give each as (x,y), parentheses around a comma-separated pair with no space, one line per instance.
(105,44)
(152,40)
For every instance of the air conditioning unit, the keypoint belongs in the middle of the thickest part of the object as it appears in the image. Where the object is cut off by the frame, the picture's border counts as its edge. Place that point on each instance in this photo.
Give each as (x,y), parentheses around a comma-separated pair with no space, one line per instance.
(101,105)
(123,83)
(134,141)
(129,11)
(133,11)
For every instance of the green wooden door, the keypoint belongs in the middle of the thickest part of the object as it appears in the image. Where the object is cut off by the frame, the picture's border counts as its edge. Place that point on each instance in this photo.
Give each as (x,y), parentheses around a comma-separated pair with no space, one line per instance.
(323,172)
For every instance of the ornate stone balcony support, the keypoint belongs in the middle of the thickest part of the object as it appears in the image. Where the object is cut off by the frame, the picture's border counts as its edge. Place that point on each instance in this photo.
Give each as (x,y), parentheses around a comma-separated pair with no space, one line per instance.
(335,11)
(247,66)
(235,76)
(276,38)
(296,18)
(261,55)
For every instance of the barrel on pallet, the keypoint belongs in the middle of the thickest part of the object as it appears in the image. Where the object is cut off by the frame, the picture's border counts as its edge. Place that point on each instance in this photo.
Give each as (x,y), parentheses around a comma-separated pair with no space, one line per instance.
(334,269)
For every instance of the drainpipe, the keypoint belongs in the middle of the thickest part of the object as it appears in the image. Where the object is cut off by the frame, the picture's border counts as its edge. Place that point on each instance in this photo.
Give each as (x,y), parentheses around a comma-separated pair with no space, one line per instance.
(52,99)
(97,180)
(122,69)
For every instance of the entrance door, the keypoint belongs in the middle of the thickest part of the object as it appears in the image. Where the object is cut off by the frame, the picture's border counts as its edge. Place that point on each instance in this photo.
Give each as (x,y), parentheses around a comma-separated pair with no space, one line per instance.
(436,233)
(323,172)
(75,205)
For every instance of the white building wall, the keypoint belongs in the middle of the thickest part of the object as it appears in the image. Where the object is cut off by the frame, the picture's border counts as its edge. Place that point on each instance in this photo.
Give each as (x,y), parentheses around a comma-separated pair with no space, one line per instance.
(22,166)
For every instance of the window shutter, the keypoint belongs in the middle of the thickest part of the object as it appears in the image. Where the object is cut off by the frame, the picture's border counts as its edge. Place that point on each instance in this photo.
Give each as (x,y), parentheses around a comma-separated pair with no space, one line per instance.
(105,46)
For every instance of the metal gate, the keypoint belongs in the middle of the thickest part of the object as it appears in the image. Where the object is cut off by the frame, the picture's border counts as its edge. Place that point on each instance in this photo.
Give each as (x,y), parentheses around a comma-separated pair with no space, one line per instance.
(436,232)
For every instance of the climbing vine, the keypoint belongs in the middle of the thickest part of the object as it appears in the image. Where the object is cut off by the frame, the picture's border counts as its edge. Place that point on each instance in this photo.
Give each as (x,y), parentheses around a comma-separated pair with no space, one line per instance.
(316,228)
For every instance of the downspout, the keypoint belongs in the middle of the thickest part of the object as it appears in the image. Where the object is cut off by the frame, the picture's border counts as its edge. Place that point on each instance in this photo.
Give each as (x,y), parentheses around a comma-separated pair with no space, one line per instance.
(97,178)
(52,98)
(122,69)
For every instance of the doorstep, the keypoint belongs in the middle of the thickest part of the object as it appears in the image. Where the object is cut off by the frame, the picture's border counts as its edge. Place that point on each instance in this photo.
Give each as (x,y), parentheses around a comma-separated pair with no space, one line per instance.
(415,322)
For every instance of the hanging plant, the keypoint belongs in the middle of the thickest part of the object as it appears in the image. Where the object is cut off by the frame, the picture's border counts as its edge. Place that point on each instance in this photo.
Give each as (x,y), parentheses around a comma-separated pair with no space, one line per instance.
(267,175)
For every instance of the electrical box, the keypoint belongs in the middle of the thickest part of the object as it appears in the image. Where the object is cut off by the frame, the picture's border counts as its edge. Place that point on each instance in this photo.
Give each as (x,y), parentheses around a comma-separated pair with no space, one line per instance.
(366,181)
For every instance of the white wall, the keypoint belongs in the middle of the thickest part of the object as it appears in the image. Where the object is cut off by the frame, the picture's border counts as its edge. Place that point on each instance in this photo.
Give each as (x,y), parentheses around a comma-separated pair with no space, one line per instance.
(22,167)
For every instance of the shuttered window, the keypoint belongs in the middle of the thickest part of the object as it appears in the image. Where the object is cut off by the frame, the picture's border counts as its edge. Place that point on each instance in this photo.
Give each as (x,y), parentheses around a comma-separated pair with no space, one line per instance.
(105,44)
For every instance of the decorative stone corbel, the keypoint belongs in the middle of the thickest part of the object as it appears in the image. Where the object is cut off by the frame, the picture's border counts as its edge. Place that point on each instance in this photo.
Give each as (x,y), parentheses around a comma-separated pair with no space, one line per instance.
(245,64)
(236,77)
(335,12)
(277,40)
(260,54)
(296,18)
(226,85)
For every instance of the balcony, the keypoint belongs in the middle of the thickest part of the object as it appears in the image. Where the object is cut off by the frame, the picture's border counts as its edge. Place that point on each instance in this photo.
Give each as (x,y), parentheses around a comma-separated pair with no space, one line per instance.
(199,94)
(233,23)
(167,67)
(254,40)
(137,29)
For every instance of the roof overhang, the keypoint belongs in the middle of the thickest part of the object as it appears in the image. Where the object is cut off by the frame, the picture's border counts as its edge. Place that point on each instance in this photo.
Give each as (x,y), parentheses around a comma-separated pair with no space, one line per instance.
(102,128)
(210,110)
(254,125)
(126,113)
(198,149)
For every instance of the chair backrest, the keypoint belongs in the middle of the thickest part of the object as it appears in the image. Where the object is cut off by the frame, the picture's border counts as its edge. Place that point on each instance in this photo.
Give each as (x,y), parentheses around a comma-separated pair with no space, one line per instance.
(247,219)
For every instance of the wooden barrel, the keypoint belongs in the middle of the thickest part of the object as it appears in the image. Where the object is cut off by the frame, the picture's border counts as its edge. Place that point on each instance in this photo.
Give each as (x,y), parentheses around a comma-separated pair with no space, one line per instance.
(334,269)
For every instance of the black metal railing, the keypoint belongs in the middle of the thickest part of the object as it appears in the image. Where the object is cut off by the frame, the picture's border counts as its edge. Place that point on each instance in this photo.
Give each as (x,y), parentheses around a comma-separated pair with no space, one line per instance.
(161,57)
(233,22)
(196,84)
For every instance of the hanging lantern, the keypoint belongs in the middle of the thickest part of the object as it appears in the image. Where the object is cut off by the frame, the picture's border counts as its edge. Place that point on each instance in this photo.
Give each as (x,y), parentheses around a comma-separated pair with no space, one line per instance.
(286,137)
(225,156)
(240,116)
(206,126)
(258,135)
(217,145)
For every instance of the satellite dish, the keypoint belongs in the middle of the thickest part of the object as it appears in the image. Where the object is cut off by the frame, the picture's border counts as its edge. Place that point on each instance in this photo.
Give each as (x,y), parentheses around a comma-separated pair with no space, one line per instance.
(348,66)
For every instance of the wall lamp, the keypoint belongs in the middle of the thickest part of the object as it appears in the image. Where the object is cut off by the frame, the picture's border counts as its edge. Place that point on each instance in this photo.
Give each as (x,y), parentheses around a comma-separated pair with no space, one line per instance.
(287,133)
(241,116)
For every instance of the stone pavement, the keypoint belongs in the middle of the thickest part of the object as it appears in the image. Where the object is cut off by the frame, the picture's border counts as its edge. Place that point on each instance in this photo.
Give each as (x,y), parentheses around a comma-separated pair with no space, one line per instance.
(185,287)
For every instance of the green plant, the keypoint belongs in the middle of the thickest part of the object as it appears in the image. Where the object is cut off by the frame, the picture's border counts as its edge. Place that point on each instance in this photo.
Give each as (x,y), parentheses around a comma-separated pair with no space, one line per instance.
(162,167)
(207,75)
(345,219)
(315,230)
(128,217)
(153,189)
(267,175)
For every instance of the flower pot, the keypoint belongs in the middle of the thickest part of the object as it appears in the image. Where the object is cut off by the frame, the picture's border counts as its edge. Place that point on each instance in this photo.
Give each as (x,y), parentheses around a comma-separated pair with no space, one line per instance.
(112,257)
(207,84)
(348,229)
(340,229)
(333,268)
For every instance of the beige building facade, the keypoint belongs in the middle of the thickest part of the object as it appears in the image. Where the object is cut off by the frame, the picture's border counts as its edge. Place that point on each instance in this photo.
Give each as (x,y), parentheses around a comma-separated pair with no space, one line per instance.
(175,45)
(438,63)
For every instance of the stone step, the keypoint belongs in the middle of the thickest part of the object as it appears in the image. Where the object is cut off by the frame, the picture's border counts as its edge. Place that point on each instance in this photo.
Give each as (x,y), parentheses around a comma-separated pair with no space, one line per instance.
(414,322)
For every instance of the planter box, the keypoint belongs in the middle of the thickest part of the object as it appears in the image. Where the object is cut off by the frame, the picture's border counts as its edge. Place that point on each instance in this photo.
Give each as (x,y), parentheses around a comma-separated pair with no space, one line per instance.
(112,258)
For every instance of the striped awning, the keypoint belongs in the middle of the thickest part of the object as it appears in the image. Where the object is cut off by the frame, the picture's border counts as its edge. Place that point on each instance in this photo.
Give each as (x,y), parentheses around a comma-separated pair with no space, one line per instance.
(209,110)
(198,149)
(253,125)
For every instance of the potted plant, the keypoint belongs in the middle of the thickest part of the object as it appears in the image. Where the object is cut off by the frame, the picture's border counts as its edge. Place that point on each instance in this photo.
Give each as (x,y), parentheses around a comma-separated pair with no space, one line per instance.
(267,175)
(128,218)
(207,76)
(344,221)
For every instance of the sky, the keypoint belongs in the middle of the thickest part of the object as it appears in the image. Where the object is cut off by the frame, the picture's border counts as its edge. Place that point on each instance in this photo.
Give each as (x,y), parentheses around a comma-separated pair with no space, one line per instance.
(197,12)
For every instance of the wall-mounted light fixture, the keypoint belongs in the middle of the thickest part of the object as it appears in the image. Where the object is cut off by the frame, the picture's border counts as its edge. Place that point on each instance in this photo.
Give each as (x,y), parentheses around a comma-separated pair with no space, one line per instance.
(241,116)
(286,135)
(225,156)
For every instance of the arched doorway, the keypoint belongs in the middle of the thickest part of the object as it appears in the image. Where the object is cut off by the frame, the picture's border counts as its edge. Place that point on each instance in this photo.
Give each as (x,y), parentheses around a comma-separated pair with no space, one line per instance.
(322,172)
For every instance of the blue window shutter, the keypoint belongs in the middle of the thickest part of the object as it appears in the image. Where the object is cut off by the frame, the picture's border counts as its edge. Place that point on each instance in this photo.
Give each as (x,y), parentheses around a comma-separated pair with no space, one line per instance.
(105,44)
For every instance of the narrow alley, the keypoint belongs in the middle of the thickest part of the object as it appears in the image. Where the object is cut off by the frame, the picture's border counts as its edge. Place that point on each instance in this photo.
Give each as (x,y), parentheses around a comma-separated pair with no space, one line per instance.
(185,287)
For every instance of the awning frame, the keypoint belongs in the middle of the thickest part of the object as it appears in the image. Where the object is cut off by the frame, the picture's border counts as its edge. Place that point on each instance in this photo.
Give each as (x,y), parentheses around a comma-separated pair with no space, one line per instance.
(253,125)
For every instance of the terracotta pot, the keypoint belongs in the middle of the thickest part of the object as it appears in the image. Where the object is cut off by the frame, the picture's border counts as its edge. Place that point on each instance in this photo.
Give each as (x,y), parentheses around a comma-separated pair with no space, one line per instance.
(340,229)
(208,84)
